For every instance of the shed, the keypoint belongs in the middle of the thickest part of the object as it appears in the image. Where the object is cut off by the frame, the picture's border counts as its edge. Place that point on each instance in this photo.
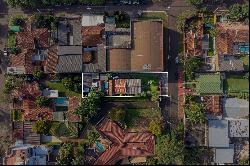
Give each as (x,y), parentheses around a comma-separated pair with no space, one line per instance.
(224,155)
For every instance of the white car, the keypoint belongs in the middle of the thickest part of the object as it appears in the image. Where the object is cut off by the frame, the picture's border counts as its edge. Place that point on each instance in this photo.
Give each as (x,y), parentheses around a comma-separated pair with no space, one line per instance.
(5,52)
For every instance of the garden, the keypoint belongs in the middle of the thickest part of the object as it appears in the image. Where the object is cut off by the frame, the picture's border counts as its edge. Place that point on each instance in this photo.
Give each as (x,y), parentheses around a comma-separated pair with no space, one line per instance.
(122,19)
(237,86)
(68,86)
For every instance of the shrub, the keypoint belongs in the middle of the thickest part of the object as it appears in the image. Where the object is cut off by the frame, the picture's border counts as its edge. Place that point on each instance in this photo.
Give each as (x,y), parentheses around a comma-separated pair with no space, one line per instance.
(42,127)
(155,128)
(42,101)
(117,115)
(38,74)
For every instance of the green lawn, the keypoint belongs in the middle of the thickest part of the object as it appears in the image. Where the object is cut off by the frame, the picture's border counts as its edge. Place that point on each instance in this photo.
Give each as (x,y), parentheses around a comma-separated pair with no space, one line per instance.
(245,60)
(59,129)
(235,83)
(140,118)
(11,43)
(62,90)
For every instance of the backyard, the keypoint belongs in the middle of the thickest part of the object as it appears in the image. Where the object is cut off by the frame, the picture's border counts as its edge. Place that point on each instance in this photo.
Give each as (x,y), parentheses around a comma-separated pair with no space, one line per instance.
(236,83)
(63,91)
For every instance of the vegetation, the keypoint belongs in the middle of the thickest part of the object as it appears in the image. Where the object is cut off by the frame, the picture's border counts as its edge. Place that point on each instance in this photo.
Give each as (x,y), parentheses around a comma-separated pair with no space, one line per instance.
(64,129)
(62,89)
(42,127)
(193,156)
(117,115)
(169,150)
(39,74)
(39,3)
(183,17)
(245,60)
(92,2)
(196,3)
(238,12)
(244,161)
(11,82)
(236,83)
(17,115)
(192,64)
(79,157)
(45,21)
(89,106)
(92,136)
(122,19)
(195,113)
(17,20)
(11,42)
(65,156)
(155,127)
(133,118)
(42,101)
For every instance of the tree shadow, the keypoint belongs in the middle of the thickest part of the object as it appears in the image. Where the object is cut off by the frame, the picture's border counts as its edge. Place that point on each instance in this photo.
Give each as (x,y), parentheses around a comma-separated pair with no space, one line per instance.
(3,7)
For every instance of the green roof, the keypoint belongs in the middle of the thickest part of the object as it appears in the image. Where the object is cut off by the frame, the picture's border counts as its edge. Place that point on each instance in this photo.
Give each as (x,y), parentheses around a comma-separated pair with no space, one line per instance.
(209,84)
(15,28)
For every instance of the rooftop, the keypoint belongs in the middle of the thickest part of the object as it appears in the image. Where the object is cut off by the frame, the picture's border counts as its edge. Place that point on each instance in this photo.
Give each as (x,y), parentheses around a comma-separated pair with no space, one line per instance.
(218,133)
(146,53)
(224,155)
(212,105)
(74,102)
(27,90)
(92,35)
(230,36)
(92,20)
(239,128)
(230,63)
(235,108)
(125,144)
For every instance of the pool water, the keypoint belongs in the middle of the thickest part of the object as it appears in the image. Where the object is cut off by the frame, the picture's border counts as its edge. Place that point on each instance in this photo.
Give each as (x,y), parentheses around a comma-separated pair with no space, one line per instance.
(100,147)
(61,101)
(244,49)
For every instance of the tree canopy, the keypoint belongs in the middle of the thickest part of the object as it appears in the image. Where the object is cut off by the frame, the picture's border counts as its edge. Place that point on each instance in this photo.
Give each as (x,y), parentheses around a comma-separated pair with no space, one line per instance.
(192,64)
(42,101)
(169,150)
(195,113)
(89,106)
(238,12)
(41,127)
(117,115)
(155,127)
(65,156)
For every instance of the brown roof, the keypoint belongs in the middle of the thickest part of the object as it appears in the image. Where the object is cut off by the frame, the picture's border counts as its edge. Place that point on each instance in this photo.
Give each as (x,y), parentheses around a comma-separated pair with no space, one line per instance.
(193,41)
(27,39)
(24,59)
(120,60)
(51,60)
(27,90)
(74,102)
(33,112)
(92,35)
(147,49)
(228,34)
(212,105)
(125,144)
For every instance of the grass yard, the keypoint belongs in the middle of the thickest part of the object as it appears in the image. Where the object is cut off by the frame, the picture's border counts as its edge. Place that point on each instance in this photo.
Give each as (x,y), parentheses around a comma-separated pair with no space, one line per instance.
(62,90)
(11,43)
(235,83)
(139,119)
(245,60)
(59,129)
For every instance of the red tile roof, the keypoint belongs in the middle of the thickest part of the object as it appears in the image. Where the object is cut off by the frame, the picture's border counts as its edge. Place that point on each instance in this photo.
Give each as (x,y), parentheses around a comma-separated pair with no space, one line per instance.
(33,112)
(28,90)
(125,144)
(212,105)
(51,60)
(27,39)
(92,35)
(24,59)
(228,34)
(74,102)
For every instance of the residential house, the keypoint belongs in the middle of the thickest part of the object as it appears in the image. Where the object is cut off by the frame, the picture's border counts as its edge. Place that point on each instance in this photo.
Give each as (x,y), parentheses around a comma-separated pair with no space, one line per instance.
(33,45)
(26,154)
(146,53)
(235,108)
(232,39)
(124,144)
(230,64)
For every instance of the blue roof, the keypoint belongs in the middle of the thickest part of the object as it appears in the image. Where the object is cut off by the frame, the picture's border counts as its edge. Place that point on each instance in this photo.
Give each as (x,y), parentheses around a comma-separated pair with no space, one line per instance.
(218,133)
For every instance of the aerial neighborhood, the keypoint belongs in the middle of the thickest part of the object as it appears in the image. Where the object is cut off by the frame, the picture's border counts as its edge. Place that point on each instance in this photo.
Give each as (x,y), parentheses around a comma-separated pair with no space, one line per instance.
(124,82)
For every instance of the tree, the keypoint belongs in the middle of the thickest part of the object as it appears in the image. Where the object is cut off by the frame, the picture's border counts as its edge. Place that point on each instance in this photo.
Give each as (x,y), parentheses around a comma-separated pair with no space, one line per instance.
(89,106)
(239,12)
(155,127)
(38,74)
(65,156)
(192,65)
(92,2)
(192,156)
(92,136)
(117,115)
(196,3)
(195,113)
(41,127)
(182,17)
(68,83)
(169,150)
(79,155)
(42,101)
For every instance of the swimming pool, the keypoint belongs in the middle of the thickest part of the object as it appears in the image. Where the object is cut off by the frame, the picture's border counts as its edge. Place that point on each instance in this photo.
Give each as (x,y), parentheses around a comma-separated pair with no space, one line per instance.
(61,101)
(100,147)
(244,49)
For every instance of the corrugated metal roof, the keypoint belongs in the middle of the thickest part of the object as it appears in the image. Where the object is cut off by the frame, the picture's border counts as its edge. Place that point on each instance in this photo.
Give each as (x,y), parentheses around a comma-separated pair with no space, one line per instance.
(70,50)
(92,20)
(69,64)
(218,133)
